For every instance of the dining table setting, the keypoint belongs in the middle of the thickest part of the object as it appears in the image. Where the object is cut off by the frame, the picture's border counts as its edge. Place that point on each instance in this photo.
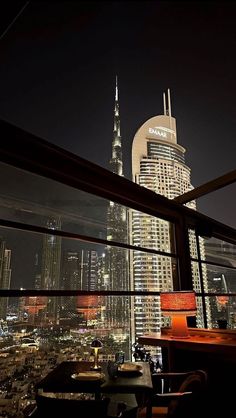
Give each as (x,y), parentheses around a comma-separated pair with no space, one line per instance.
(77,377)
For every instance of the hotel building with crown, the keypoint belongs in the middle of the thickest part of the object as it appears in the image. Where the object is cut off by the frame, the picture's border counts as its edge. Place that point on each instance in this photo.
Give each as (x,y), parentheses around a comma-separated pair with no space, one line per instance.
(158,163)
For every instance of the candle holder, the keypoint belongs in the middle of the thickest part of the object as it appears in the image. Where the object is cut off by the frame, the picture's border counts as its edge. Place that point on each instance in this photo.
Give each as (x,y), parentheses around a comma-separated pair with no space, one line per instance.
(96,346)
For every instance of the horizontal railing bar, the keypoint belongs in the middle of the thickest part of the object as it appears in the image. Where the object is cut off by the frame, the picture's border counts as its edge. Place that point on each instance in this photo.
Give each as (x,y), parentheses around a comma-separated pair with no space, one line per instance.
(51,293)
(33,292)
(206,188)
(71,235)
(212,263)
(212,294)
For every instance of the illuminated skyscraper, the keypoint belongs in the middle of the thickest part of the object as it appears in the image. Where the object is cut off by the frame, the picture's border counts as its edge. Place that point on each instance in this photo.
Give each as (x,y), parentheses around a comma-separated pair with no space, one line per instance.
(69,281)
(5,275)
(51,261)
(158,163)
(116,277)
(89,307)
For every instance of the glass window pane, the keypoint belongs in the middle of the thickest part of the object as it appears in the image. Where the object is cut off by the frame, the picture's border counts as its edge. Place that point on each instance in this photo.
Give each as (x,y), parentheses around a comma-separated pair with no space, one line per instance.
(221,279)
(35,200)
(218,251)
(223,311)
(197,287)
(34,261)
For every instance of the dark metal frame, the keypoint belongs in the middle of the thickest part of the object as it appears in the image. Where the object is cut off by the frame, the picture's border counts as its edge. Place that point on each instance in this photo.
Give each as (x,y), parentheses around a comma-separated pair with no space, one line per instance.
(210,186)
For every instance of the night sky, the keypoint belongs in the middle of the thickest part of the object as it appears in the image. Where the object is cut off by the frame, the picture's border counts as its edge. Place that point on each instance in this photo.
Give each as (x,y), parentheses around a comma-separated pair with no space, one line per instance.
(58,63)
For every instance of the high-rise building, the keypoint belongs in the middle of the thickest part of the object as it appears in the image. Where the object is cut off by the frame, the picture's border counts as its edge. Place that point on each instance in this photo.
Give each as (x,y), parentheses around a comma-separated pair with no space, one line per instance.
(89,270)
(69,281)
(51,262)
(34,307)
(116,260)
(80,271)
(158,163)
(89,307)
(5,275)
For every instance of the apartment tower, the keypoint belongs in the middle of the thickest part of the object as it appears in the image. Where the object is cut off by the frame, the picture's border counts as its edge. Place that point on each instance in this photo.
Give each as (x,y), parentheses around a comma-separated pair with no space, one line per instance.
(158,163)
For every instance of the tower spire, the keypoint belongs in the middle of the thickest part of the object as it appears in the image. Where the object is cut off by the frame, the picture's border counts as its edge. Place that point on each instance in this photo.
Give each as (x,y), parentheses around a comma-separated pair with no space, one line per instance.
(169,110)
(116,163)
(116,261)
(116,97)
(164,103)
(169,102)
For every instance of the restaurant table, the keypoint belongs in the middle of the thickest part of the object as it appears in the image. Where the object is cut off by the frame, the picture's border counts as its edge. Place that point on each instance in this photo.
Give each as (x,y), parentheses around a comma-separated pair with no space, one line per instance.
(59,380)
(203,349)
(211,350)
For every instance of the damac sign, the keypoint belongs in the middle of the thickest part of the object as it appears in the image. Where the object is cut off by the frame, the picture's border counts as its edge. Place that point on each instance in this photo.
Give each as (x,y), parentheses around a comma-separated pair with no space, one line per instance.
(161,131)
(156,131)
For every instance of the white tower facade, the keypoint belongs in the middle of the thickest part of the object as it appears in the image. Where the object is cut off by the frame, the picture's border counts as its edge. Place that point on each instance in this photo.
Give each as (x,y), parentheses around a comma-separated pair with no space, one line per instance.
(158,163)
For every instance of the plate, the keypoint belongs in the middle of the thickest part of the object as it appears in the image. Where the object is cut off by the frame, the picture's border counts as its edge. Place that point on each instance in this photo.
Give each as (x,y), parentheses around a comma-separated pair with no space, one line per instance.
(130,369)
(88,376)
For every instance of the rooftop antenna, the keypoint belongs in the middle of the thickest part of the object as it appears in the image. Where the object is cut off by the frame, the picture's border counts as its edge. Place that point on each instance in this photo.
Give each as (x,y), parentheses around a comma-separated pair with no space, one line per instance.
(169,102)
(169,110)
(164,103)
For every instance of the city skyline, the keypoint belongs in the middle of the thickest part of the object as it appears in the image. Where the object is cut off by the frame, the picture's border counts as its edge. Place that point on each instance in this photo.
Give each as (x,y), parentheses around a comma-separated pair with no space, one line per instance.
(159,165)
(58,67)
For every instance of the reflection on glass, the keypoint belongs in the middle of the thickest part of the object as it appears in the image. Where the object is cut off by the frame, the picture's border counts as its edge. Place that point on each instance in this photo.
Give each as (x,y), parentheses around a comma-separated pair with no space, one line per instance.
(221,252)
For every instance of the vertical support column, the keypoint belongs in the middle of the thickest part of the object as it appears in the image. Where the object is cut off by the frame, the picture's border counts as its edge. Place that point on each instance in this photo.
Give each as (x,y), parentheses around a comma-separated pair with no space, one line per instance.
(183,253)
(201,279)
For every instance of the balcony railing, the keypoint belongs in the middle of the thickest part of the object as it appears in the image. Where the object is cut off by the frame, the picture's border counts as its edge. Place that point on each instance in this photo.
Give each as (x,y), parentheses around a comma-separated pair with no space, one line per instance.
(59,262)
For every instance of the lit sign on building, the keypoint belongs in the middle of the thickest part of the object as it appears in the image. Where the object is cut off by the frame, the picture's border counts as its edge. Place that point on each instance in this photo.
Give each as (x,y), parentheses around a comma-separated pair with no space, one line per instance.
(161,131)
(157,132)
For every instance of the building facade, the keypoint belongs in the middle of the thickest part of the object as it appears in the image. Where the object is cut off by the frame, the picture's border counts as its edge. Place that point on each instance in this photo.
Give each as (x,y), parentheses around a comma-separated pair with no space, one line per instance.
(51,266)
(5,276)
(158,163)
(70,274)
(88,307)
